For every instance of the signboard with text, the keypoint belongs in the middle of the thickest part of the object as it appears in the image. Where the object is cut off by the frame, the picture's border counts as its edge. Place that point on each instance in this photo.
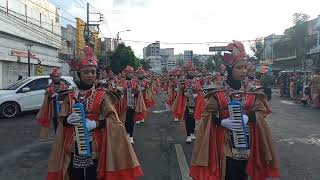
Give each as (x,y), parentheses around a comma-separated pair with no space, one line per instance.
(217,48)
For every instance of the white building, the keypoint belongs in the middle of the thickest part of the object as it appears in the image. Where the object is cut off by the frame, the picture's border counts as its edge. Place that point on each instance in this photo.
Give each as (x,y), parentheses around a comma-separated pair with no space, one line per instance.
(188,55)
(152,54)
(166,55)
(23,23)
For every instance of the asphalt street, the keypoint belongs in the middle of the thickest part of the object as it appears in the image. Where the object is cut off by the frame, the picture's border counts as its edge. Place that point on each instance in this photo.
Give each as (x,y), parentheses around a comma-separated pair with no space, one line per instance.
(160,145)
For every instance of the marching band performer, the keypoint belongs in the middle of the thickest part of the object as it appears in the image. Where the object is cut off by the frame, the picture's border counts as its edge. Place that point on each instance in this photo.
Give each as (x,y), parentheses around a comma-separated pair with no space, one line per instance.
(190,92)
(167,88)
(112,156)
(251,75)
(140,116)
(216,153)
(176,83)
(51,104)
(131,102)
(184,104)
(220,76)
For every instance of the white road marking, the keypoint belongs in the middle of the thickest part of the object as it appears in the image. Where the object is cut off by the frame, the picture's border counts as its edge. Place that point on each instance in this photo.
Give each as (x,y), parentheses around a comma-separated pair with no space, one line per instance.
(24,149)
(184,168)
(312,139)
(287,102)
(161,111)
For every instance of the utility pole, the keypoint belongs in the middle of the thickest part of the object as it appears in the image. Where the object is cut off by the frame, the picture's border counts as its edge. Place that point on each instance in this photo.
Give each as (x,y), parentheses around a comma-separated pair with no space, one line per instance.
(88,30)
(29,54)
(7,7)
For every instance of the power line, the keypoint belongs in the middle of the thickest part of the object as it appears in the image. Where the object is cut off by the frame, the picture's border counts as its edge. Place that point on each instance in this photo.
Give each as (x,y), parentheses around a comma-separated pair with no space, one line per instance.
(85,3)
(23,20)
(35,31)
(81,6)
(51,11)
(284,37)
(64,10)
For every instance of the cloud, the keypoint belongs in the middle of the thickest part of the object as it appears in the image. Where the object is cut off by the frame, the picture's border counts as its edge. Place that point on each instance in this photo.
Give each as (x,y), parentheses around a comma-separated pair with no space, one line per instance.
(197,21)
(130,3)
(120,2)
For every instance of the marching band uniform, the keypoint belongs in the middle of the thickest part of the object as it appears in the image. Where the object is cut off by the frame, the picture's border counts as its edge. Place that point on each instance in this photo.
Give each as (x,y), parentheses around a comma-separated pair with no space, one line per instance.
(51,104)
(176,102)
(251,76)
(112,156)
(200,103)
(215,157)
(141,113)
(132,101)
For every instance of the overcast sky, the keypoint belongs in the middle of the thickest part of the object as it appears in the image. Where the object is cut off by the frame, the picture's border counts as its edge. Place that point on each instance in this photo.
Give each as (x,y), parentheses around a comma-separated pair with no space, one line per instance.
(180,21)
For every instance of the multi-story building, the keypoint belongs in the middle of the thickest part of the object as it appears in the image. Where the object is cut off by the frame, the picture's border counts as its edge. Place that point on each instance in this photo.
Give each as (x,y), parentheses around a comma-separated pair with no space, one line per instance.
(313,52)
(152,54)
(68,43)
(202,57)
(35,25)
(268,52)
(187,56)
(174,61)
(284,53)
(166,54)
(109,44)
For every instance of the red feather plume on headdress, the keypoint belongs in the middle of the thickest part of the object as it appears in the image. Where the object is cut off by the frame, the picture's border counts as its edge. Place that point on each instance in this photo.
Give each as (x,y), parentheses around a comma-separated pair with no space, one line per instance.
(237,54)
(87,60)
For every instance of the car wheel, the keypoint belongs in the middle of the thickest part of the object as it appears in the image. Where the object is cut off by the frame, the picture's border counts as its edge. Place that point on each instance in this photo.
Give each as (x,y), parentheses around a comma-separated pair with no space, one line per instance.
(9,109)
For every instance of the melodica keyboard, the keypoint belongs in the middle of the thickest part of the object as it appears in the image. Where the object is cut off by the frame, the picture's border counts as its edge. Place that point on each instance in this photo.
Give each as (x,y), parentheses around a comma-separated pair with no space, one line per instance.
(81,131)
(240,139)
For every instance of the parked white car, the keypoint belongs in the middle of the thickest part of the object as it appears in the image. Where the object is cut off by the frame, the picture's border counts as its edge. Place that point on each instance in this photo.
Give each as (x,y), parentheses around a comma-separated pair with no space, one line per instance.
(26,94)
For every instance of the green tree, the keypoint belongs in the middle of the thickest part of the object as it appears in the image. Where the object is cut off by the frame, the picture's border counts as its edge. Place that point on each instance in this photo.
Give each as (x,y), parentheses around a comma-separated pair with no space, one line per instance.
(217,59)
(122,57)
(298,34)
(145,64)
(257,47)
(180,62)
(209,64)
(197,62)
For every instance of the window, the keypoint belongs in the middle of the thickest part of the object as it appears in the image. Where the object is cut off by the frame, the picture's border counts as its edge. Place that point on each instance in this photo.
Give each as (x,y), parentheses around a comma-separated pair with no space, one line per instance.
(38,84)
(17,84)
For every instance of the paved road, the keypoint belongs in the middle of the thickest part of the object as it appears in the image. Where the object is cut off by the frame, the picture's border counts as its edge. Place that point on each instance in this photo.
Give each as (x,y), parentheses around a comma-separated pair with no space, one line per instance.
(161,148)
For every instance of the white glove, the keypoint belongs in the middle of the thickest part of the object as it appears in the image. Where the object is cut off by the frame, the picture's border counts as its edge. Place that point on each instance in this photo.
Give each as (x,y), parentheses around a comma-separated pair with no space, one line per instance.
(74,119)
(91,125)
(231,124)
(245,119)
(195,95)
(54,95)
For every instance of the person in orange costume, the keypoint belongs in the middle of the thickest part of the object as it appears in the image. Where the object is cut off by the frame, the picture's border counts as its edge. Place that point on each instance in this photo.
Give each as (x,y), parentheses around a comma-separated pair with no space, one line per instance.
(176,82)
(51,104)
(215,156)
(142,88)
(112,156)
(251,78)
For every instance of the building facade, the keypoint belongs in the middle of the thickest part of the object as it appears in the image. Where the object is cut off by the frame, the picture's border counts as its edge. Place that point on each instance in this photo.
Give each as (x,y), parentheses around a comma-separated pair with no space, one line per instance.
(187,56)
(25,25)
(68,43)
(284,53)
(152,54)
(166,55)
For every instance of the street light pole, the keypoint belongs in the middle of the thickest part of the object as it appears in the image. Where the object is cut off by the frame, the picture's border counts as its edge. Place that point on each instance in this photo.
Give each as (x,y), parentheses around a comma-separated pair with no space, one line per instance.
(118,37)
(29,54)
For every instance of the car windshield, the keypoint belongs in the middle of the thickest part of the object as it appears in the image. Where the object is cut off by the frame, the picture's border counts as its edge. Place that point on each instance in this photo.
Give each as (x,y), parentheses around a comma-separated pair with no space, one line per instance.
(17,84)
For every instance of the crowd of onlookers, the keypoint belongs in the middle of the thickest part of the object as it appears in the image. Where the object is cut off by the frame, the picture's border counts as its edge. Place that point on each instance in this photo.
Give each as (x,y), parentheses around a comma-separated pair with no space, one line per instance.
(300,86)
